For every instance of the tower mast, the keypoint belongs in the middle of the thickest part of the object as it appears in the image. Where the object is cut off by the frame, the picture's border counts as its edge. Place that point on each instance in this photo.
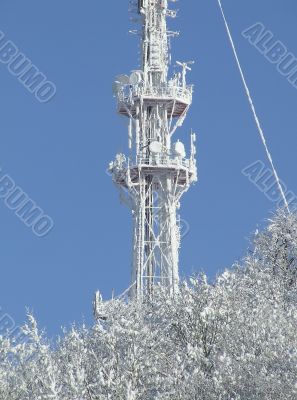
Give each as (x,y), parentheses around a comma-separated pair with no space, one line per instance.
(157,172)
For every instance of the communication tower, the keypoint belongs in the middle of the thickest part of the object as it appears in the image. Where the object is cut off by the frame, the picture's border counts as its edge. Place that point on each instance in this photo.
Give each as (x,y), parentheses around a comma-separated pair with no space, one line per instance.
(156,172)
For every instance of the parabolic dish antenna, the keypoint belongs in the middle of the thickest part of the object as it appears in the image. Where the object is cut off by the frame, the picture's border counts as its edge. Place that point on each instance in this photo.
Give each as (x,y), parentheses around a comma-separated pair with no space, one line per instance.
(179,149)
(136,77)
(123,79)
(116,87)
(155,147)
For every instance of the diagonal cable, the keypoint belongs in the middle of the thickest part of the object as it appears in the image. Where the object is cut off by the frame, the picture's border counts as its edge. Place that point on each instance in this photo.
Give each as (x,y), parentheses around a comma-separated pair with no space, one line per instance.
(261,132)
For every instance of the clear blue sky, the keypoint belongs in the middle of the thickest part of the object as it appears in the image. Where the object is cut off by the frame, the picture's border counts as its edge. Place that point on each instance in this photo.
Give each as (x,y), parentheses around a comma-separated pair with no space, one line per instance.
(58,152)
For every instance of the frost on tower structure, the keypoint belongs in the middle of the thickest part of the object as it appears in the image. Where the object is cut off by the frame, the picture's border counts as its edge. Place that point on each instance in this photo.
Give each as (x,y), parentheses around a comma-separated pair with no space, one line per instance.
(155,174)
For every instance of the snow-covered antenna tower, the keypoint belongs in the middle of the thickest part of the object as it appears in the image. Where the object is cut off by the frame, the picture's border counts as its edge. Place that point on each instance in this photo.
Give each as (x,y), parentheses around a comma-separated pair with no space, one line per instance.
(155,174)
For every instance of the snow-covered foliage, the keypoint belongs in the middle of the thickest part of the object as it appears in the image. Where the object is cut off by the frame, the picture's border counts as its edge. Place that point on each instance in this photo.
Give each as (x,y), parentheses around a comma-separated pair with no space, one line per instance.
(231,339)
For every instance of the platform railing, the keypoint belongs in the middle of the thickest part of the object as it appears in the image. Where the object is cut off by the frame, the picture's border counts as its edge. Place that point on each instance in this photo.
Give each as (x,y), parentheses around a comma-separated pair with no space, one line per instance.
(123,163)
(159,160)
(127,92)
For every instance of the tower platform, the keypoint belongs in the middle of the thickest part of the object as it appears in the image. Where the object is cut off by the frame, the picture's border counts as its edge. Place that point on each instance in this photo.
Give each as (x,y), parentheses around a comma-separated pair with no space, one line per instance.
(180,173)
(176,99)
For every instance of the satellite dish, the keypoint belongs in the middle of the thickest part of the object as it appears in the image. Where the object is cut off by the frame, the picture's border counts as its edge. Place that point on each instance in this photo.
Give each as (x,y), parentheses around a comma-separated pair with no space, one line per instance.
(136,77)
(116,87)
(123,79)
(155,147)
(179,149)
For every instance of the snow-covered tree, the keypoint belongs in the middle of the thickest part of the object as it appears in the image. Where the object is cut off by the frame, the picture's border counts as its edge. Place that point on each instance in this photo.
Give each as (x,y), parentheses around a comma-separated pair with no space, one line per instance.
(231,339)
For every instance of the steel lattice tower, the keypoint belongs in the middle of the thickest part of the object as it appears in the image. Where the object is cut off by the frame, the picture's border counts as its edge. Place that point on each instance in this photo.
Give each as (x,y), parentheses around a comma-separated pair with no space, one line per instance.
(155,174)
